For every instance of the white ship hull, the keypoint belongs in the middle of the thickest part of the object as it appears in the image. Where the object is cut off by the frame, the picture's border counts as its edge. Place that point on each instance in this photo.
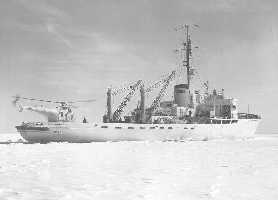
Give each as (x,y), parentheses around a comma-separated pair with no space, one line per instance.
(90,132)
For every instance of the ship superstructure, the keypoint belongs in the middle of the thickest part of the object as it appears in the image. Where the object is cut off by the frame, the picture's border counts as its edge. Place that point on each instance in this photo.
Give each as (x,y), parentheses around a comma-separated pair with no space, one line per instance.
(188,105)
(191,114)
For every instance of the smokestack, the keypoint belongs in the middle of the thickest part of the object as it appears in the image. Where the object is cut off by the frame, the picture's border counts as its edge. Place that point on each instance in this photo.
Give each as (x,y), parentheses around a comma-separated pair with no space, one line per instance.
(182,95)
(142,104)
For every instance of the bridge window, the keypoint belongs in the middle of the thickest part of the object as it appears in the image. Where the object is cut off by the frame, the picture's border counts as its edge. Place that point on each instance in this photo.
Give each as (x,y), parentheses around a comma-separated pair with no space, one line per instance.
(192,128)
(234,121)
(152,127)
(130,127)
(170,127)
(162,127)
(185,128)
(142,127)
(118,127)
(104,126)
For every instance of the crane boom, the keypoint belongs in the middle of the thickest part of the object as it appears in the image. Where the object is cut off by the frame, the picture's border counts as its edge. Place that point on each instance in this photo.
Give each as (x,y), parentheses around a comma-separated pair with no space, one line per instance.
(157,100)
(154,86)
(120,109)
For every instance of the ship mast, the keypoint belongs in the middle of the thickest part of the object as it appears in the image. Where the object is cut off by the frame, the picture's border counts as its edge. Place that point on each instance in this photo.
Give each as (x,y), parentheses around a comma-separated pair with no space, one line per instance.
(187,54)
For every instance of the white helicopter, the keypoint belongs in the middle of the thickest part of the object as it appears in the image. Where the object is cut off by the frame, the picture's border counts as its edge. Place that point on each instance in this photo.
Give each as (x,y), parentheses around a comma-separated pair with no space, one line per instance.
(62,112)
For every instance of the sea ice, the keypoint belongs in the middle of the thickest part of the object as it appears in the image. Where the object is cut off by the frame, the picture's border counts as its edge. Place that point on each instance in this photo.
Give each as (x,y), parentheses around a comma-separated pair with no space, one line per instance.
(238,169)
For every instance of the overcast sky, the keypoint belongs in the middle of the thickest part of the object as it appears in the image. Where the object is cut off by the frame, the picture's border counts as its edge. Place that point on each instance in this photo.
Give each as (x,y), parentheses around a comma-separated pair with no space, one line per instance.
(67,49)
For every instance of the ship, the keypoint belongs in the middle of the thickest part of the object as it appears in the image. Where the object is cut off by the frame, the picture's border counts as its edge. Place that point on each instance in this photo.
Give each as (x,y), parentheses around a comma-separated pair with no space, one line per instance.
(190,115)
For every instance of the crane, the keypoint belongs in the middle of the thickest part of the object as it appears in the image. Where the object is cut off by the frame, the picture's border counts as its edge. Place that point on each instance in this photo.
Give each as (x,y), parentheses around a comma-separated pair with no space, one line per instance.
(123,104)
(161,93)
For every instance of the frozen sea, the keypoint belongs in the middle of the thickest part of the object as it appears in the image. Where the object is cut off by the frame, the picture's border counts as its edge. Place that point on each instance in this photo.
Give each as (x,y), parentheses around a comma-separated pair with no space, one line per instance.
(219,169)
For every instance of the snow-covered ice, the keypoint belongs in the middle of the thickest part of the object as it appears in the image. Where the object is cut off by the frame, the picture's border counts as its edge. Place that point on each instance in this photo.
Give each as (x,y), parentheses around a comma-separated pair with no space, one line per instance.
(223,169)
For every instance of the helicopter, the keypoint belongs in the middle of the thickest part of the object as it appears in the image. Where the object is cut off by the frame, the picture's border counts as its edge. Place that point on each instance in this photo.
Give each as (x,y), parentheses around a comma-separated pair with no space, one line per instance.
(63,112)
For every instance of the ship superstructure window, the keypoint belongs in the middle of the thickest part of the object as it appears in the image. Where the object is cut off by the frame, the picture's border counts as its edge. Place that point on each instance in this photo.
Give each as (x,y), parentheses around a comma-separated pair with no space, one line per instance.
(104,126)
(185,128)
(152,127)
(142,127)
(234,121)
(130,127)
(118,127)
(162,127)
(170,127)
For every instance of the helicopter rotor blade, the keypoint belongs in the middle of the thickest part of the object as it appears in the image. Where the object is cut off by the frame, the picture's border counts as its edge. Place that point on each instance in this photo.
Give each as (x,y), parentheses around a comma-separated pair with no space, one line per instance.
(41,100)
(82,101)
(17,97)
(34,99)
